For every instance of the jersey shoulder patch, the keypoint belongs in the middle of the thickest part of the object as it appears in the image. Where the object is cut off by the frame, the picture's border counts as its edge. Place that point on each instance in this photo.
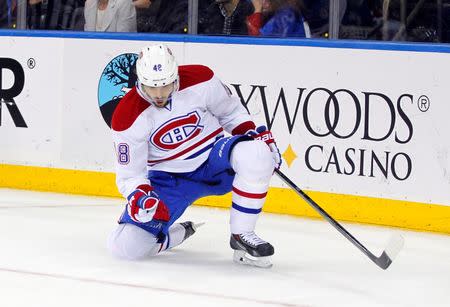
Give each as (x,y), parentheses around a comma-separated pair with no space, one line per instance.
(193,74)
(128,110)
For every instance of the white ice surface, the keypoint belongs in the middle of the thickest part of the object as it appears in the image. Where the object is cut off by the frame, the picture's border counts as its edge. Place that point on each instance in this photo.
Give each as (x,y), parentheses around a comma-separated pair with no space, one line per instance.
(52,253)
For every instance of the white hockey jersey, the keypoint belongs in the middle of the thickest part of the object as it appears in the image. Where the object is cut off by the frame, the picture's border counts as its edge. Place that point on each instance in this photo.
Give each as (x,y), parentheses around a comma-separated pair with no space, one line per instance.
(178,137)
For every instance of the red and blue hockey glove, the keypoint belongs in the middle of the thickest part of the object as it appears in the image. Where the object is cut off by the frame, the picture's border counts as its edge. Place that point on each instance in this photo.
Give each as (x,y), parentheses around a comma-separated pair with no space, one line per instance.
(266,136)
(144,205)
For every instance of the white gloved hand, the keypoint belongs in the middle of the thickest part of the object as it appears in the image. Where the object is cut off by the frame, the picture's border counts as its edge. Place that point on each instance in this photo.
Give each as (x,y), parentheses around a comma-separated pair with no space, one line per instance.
(261,133)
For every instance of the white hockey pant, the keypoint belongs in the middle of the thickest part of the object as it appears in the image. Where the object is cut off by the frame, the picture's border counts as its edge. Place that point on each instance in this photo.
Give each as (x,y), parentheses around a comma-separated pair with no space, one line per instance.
(130,242)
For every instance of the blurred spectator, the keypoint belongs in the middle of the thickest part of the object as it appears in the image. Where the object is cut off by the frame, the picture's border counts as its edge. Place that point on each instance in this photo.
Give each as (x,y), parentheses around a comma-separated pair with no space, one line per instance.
(228,17)
(3,14)
(359,13)
(317,13)
(362,20)
(110,16)
(7,13)
(55,14)
(73,15)
(162,16)
(279,18)
(419,23)
(146,11)
(142,4)
(396,20)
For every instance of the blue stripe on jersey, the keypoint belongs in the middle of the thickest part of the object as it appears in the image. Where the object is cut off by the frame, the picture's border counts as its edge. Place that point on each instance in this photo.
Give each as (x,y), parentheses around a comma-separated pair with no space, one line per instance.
(246,210)
(198,153)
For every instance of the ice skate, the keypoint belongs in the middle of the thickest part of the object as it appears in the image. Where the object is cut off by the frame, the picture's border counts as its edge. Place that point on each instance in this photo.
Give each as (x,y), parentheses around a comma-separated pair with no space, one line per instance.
(190,228)
(250,249)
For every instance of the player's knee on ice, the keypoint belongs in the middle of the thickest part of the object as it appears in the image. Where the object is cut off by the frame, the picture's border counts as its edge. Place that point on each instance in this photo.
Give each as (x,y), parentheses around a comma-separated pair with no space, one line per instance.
(130,242)
(253,161)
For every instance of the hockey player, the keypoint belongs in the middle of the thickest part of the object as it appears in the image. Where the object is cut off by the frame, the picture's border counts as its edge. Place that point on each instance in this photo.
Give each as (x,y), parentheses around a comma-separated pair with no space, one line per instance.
(171,150)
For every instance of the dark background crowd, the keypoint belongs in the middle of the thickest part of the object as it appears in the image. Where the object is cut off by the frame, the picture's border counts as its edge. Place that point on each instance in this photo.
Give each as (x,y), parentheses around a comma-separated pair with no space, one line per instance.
(392,20)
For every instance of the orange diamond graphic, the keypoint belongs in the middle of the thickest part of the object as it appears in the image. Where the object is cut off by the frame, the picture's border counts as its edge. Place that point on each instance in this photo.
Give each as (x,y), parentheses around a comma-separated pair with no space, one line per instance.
(289,155)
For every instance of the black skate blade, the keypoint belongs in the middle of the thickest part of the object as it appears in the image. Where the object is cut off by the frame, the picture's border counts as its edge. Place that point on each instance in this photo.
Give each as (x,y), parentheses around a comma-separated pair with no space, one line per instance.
(243,258)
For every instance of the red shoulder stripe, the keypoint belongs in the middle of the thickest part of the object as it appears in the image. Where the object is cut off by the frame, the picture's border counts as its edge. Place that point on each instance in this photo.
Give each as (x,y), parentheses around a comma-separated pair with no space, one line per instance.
(128,110)
(243,128)
(193,74)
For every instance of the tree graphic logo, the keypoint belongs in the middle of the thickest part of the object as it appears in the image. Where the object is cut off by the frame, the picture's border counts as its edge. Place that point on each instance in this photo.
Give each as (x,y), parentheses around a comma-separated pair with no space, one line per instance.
(118,77)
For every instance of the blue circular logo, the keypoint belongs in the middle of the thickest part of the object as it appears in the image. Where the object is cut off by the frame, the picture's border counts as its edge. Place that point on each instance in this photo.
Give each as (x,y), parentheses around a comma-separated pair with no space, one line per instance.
(118,77)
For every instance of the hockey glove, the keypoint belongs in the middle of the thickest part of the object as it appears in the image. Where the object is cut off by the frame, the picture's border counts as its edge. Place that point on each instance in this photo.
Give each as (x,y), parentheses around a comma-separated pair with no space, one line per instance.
(144,205)
(266,136)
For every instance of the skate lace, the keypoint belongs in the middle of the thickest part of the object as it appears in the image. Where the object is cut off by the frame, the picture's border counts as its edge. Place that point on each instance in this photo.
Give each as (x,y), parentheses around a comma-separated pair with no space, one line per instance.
(252,239)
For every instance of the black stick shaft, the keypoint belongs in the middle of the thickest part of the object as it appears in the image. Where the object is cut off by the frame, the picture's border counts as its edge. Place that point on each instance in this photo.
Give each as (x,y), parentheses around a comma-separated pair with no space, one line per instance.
(327,217)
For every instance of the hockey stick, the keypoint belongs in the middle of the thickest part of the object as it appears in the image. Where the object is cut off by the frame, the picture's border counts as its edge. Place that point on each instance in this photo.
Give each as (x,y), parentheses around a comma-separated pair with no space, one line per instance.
(395,243)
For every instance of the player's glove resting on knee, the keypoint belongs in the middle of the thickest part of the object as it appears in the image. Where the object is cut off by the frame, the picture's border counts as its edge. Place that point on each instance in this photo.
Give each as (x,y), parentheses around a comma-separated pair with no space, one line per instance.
(144,205)
(266,136)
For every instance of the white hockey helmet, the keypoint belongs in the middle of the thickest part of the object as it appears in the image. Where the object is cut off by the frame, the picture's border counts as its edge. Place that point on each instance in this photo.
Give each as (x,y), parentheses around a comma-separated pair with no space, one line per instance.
(156,66)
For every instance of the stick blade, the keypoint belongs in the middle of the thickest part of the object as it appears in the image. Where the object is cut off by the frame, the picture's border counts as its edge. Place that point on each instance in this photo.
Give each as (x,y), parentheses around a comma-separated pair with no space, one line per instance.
(394,246)
(197,225)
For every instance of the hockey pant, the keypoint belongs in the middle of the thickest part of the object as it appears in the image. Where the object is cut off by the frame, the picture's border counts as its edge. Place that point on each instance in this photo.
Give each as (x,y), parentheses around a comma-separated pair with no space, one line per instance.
(130,242)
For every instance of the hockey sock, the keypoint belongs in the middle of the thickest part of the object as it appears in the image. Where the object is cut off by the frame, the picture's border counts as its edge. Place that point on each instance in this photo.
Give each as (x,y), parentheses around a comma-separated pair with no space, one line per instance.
(248,200)
(253,163)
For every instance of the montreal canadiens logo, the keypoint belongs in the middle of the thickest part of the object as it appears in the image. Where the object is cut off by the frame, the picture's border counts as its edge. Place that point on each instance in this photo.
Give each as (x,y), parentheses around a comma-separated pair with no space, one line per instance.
(177,131)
